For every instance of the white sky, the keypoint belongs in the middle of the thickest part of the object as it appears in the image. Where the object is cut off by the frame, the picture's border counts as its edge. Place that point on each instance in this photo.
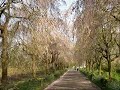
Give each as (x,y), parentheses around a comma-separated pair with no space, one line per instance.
(65,7)
(70,17)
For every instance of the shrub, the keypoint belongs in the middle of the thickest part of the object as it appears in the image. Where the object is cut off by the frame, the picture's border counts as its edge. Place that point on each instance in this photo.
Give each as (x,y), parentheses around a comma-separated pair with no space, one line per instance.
(113,85)
(49,77)
(102,81)
(118,71)
(57,74)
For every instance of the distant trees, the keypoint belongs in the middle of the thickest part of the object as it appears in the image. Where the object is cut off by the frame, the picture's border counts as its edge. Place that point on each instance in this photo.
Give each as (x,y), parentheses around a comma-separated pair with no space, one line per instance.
(99,33)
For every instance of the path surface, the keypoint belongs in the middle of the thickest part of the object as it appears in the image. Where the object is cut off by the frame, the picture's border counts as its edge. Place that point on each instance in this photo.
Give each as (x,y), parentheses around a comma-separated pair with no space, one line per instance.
(72,80)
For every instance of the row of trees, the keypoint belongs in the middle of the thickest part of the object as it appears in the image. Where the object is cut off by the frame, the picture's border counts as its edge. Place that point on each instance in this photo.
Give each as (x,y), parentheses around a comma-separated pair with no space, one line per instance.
(98,34)
(28,37)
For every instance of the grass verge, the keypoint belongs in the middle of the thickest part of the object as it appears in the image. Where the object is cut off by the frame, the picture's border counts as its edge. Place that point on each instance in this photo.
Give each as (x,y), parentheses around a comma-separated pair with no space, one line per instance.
(102,81)
(39,83)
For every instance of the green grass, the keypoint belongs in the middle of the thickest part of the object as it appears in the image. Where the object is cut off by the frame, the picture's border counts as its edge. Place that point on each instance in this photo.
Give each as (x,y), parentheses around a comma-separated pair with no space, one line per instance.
(33,84)
(38,83)
(102,81)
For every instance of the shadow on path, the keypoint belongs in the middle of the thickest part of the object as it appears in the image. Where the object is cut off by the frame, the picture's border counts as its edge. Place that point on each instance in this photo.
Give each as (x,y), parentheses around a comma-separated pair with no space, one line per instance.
(72,80)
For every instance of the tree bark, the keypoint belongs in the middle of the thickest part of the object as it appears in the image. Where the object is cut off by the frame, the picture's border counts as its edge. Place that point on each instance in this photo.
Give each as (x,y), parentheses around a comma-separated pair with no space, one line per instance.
(86,65)
(100,68)
(4,55)
(92,67)
(109,68)
(33,66)
(89,66)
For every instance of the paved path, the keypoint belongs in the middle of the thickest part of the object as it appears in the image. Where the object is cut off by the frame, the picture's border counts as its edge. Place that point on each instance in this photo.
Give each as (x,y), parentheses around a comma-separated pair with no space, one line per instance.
(72,80)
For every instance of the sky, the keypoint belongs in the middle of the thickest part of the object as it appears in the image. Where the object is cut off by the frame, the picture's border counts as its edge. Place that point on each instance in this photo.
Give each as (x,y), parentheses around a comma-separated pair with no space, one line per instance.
(68,4)
(70,17)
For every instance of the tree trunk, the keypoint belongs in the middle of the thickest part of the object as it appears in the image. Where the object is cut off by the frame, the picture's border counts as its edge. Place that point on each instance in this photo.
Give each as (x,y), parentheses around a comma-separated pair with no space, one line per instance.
(46,70)
(100,68)
(53,61)
(4,55)
(109,68)
(92,67)
(46,63)
(33,66)
(89,66)
(86,65)
(47,66)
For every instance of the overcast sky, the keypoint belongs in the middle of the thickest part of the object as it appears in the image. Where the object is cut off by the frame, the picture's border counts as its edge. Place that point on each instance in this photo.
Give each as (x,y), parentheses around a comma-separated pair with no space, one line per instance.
(65,7)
